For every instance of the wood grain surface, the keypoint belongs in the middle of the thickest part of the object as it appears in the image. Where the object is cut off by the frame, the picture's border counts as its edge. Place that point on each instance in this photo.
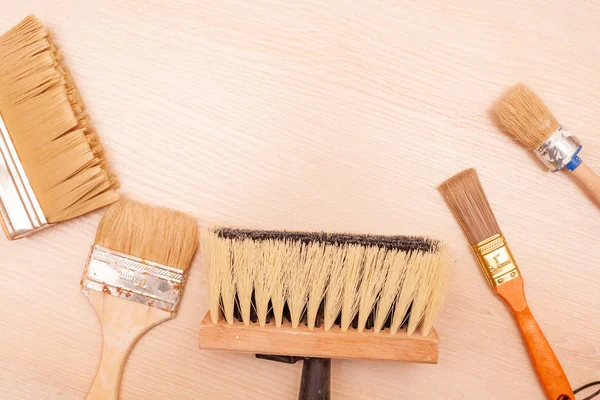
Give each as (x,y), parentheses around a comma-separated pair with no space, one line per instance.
(319,115)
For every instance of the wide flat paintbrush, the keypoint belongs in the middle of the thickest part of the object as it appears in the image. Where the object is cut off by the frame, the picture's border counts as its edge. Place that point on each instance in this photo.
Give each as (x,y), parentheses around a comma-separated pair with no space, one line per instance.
(467,200)
(523,114)
(317,296)
(52,166)
(134,280)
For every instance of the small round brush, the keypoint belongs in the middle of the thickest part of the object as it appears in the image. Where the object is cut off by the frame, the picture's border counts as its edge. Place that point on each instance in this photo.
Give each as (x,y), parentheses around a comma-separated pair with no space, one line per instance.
(522,114)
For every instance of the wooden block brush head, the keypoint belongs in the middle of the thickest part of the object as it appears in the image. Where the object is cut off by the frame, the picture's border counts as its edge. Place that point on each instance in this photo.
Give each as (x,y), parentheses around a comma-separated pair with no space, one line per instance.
(323,295)
(52,165)
(522,114)
(134,280)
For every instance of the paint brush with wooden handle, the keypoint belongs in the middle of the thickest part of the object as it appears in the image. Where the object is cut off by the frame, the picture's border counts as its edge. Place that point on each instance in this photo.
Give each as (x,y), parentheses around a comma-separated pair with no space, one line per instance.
(134,279)
(524,115)
(467,200)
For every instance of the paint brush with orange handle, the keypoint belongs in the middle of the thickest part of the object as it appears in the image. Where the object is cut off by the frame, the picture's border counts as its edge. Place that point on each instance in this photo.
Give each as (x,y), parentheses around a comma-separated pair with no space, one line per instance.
(468,202)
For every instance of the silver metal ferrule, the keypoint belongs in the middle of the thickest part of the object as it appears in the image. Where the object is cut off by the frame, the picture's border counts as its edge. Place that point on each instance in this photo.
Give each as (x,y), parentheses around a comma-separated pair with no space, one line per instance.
(134,279)
(21,213)
(558,150)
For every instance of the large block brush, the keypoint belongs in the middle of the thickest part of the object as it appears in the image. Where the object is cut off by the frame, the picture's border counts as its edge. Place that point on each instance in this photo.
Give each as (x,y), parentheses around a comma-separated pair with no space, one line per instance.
(134,279)
(52,166)
(467,200)
(317,296)
(521,113)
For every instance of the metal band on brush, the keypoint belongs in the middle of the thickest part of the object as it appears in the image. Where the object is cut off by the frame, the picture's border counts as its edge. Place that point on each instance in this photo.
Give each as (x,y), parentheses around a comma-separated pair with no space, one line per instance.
(559,150)
(496,260)
(134,279)
(20,210)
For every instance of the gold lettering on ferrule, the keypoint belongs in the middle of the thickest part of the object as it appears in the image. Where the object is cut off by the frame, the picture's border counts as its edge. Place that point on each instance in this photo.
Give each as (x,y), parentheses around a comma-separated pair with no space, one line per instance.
(496,260)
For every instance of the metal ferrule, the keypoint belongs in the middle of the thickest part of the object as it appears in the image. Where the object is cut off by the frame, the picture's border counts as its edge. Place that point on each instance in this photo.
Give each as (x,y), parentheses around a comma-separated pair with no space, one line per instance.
(21,213)
(558,151)
(134,279)
(496,260)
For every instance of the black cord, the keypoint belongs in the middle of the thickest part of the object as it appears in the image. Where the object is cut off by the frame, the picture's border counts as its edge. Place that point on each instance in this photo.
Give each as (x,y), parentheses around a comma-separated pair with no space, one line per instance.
(589,385)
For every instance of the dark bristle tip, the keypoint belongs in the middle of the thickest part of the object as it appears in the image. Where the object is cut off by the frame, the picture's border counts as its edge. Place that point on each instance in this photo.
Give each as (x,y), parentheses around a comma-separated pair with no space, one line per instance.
(396,242)
(369,325)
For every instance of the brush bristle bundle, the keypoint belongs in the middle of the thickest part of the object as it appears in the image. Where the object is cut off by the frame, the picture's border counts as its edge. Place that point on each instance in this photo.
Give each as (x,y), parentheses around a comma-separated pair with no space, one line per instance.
(41,107)
(358,282)
(467,200)
(522,114)
(152,233)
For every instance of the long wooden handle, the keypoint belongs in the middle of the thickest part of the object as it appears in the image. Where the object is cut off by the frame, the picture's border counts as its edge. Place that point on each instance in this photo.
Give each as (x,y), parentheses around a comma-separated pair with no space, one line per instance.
(548,368)
(123,323)
(589,180)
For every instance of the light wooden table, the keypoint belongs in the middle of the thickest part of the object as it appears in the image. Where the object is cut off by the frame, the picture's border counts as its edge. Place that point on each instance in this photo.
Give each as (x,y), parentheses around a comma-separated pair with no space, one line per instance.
(338,116)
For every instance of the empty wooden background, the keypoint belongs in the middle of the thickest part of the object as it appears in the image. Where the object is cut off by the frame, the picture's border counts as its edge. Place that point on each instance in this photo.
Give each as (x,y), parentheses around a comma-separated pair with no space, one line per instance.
(319,115)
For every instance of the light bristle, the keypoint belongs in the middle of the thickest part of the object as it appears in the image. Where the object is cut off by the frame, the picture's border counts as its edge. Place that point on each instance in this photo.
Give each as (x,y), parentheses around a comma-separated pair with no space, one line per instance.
(467,200)
(335,288)
(152,233)
(220,278)
(320,270)
(301,263)
(521,113)
(372,282)
(425,294)
(284,256)
(266,279)
(320,280)
(439,286)
(41,107)
(408,290)
(395,267)
(355,261)
(244,264)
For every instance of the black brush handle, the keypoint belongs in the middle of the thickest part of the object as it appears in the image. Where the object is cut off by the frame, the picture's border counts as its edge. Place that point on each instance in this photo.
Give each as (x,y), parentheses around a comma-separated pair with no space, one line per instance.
(316,375)
(316,379)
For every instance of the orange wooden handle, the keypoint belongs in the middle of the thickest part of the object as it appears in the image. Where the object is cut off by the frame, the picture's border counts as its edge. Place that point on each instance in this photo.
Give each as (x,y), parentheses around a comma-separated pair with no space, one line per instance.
(589,180)
(550,372)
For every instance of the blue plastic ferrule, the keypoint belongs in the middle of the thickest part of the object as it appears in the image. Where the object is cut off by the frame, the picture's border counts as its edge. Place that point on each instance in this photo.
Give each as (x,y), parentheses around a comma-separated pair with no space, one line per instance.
(575,161)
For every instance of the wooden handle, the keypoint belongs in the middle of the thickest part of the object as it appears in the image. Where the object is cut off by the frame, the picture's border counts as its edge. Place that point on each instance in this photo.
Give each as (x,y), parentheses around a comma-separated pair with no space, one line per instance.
(589,180)
(108,378)
(547,366)
(123,323)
